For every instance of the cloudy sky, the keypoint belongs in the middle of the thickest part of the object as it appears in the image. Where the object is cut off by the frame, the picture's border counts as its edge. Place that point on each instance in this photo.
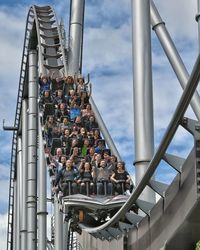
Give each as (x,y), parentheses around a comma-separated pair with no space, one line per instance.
(108,58)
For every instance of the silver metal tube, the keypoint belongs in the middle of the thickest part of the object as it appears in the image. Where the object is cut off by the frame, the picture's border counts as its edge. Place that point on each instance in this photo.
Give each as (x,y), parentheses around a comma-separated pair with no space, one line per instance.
(24,175)
(32,153)
(168,136)
(198,20)
(104,130)
(15,215)
(42,193)
(65,233)
(75,36)
(173,56)
(143,96)
(58,225)
(19,192)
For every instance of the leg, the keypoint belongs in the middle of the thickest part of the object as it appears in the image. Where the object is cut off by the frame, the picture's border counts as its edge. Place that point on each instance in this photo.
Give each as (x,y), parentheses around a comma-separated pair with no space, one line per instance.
(99,188)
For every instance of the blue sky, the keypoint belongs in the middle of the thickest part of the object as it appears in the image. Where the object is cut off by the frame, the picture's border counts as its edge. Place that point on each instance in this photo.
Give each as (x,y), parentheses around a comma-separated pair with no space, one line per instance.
(108,58)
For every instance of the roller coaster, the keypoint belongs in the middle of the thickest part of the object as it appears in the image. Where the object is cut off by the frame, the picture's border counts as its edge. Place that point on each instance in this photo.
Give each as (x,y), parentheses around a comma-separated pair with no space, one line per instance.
(126,220)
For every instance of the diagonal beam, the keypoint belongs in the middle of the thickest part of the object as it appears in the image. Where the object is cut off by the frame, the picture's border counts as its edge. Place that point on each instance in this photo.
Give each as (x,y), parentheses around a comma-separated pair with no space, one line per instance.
(172,54)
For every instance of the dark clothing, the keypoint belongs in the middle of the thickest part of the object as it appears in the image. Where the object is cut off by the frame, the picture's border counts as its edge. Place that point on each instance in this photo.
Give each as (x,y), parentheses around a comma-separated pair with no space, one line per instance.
(121,176)
(57,85)
(122,185)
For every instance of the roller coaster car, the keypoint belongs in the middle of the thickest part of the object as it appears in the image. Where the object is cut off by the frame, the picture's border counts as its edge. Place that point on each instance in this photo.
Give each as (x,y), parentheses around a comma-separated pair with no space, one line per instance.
(92,209)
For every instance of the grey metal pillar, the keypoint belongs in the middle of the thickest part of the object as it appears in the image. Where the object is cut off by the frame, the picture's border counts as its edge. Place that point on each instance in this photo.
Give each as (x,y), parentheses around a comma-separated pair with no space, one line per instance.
(104,130)
(76,36)
(173,56)
(19,192)
(65,233)
(15,215)
(58,225)
(143,100)
(198,20)
(42,193)
(32,153)
(24,175)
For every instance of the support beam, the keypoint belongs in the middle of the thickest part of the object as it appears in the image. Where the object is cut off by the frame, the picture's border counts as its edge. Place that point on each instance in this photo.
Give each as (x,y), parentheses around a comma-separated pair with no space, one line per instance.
(32,152)
(19,192)
(76,23)
(58,225)
(173,56)
(198,19)
(24,174)
(42,193)
(143,96)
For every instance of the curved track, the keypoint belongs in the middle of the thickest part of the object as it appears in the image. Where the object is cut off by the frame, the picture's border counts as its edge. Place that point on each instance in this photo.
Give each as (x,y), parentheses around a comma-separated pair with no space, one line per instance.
(43,33)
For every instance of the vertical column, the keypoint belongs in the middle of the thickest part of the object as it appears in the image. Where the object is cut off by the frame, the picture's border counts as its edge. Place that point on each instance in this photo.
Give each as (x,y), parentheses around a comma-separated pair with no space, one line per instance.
(198,19)
(18,192)
(65,233)
(76,36)
(58,225)
(32,152)
(142,85)
(14,243)
(24,175)
(42,193)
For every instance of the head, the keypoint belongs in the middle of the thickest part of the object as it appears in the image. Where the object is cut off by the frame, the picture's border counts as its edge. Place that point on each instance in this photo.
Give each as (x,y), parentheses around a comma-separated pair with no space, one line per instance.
(65,120)
(70,80)
(81,80)
(83,131)
(106,156)
(46,93)
(59,151)
(91,150)
(92,119)
(75,151)
(87,166)
(62,106)
(69,164)
(86,142)
(50,119)
(63,159)
(113,158)
(120,165)
(44,79)
(88,107)
(59,93)
(67,132)
(102,163)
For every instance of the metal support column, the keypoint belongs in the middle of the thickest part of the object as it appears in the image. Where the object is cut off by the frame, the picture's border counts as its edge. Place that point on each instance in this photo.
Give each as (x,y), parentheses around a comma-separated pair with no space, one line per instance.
(173,56)
(58,225)
(14,243)
(198,19)
(19,192)
(42,193)
(65,233)
(24,175)
(32,153)
(143,100)
(76,23)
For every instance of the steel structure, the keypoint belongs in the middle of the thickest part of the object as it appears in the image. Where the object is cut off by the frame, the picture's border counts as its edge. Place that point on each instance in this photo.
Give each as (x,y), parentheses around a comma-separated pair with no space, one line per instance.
(162,225)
